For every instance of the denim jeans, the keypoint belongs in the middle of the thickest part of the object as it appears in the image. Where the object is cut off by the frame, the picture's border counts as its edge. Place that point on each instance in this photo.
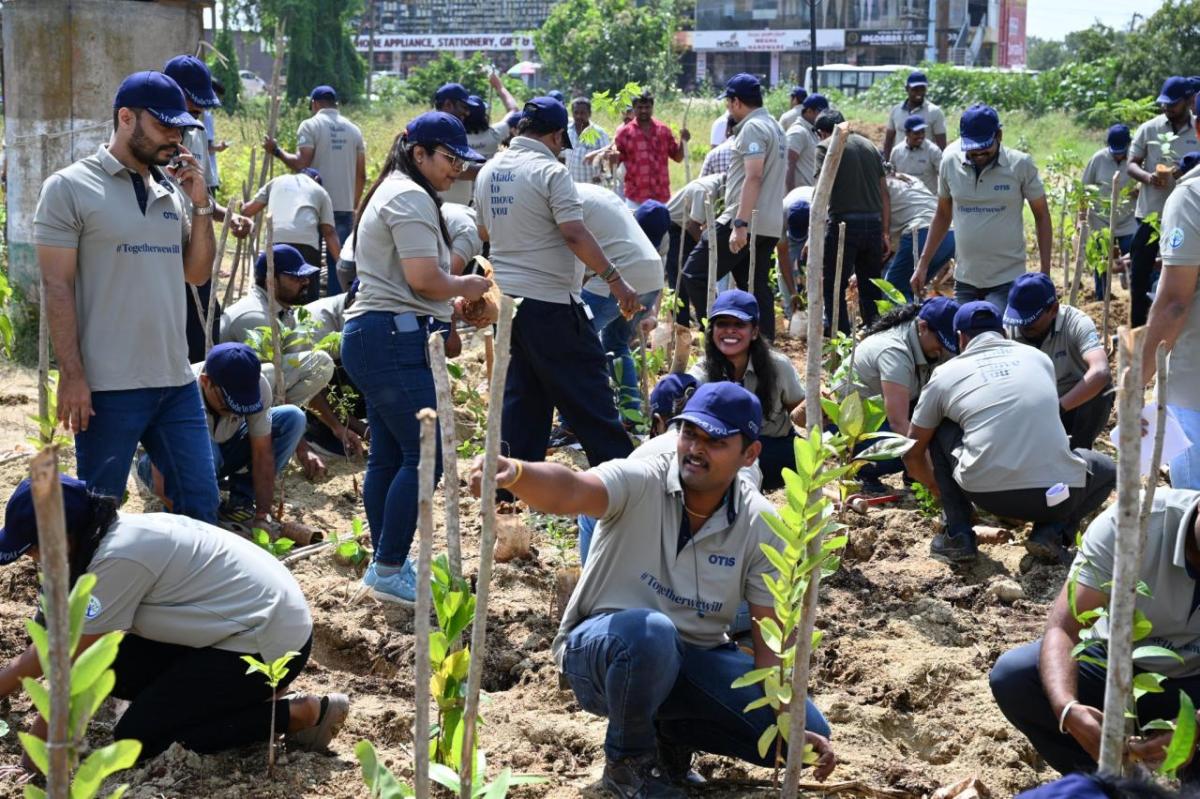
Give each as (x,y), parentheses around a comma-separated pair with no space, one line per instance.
(695,274)
(1185,467)
(863,257)
(632,667)
(996,295)
(232,457)
(343,223)
(796,264)
(391,370)
(899,270)
(615,332)
(676,236)
(1143,251)
(169,423)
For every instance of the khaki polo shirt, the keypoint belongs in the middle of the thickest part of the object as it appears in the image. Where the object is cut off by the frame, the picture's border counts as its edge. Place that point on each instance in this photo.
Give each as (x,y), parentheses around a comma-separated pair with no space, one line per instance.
(701,188)
(175,580)
(758,137)
(1072,336)
(298,206)
(252,312)
(1145,145)
(633,562)
(921,162)
(1169,608)
(1002,394)
(989,222)
(911,204)
(522,196)
(129,288)
(401,221)
(777,421)
(1179,245)
(1099,172)
(224,427)
(464,231)
(336,143)
(623,241)
(934,117)
(789,117)
(486,143)
(680,204)
(326,315)
(895,356)
(802,141)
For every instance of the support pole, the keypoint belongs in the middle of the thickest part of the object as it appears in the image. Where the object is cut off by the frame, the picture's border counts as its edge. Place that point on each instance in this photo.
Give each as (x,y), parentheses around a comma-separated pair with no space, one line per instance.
(426,471)
(753,254)
(43,355)
(273,312)
(1080,260)
(214,278)
(710,222)
(836,310)
(273,114)
(445,412)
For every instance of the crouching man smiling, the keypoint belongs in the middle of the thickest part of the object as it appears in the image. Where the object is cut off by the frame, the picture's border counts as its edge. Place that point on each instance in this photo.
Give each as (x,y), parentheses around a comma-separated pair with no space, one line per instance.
(676,550)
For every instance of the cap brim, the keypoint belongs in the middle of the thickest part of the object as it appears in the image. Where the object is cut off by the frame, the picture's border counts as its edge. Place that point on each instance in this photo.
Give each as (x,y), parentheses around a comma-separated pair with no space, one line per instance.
(176,120)
(467,153)
(308,270)
(1165,100)
(708,423)
(977,144)
(917,129)
(918,84)
(1118,150)
(8,556)
(1017,318)
(209,101)
(736,314)
(243,406)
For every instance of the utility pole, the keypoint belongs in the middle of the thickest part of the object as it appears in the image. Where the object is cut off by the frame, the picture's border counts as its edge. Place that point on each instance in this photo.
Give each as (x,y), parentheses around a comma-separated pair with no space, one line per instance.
(812,41)
(370,45)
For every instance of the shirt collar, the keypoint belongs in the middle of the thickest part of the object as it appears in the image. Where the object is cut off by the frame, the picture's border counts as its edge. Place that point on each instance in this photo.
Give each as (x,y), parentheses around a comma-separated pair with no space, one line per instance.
(533,145)
(329,112)
(159,184)
(731,504)
(761,111)
(913,339)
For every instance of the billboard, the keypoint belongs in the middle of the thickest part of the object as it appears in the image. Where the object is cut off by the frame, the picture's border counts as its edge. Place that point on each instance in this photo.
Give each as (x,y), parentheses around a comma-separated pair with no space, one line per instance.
(405,43)
(1012,33)
(768,41)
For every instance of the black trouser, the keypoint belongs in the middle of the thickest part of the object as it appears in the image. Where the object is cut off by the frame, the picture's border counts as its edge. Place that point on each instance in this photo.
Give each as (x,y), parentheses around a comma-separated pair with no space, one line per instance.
(202,698)
(1085,422)
(676,235)
(1142,254)
(863,257)
(1026,504)
(195,324)
(778,452)
(695,274)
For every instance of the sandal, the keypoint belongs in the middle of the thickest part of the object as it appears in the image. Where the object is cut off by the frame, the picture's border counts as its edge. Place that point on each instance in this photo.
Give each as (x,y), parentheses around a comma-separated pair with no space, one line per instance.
(335,708)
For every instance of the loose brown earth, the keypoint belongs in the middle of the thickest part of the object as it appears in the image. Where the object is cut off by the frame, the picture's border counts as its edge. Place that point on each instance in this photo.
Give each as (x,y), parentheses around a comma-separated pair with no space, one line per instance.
(902,674)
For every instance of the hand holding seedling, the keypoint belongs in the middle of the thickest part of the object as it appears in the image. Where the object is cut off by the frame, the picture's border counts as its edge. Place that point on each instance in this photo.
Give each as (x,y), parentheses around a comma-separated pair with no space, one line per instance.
(1152,749)
(190,177)
(826,760)
(627,298)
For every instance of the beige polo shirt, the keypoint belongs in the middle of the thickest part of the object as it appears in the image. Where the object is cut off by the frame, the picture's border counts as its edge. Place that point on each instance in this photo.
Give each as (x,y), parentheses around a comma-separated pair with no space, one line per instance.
(911,204)
(895,356)
(999,393)
(802,141)
(298,206)
(175,580)
(623,241)
(758,137)
(989,222)
(1145,145)
(1170,606)
(129,288)
(680,204)
(935,118)
(921,162)
(1072,336)
(777,420)
(464,231)
(1099,172)
(1179,244)
(701,188)
(326,315)
(633,562)
(252,312)
(789,117)
(522,196)
(336,143)
(224,427)
(196,142)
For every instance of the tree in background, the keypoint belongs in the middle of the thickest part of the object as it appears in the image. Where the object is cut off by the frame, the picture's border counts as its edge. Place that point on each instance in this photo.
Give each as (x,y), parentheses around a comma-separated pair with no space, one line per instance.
(598,45)
(227,71)
(1166,43)
(471,72)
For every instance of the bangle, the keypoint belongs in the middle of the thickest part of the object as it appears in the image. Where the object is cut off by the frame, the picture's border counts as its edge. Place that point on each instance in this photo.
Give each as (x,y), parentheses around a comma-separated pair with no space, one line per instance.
(1062,717)
(520,471)
(202,210)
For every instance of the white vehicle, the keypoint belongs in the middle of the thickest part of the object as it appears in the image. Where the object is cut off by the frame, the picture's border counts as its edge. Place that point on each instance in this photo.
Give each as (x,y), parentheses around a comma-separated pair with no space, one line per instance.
(850,79)
(252,85)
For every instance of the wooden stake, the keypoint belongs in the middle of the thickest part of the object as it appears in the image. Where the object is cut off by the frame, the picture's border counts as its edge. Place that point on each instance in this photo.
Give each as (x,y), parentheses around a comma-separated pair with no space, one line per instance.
(710,222)
(644,373)
(819,221)
(56,588)
(1119,675)
(43,354)
(836,310)
(233,273)
(487,541)
(273,313)
(678,284)
(426,471)
(1112,258)
(1062,226)
(687,151)
(489,353)
(1080,260)
(753,252)
(445,409)
(214,279)
(915,232)
(273,115)
(1160,422)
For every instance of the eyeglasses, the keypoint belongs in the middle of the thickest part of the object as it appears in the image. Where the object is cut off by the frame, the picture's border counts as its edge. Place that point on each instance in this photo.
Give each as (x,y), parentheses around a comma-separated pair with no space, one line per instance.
(456,163)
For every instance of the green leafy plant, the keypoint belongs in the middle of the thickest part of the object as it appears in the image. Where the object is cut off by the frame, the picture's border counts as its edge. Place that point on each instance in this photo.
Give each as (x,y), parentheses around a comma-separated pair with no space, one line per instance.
(47,426)
(274,673)
(562,534)
(628,399)
(469,399)
(92,680)
(480,787)
(7,336)
(1165,142)
(349,548)
(927,504)
(454,607)
(279,547)
(892,297)
(380,781)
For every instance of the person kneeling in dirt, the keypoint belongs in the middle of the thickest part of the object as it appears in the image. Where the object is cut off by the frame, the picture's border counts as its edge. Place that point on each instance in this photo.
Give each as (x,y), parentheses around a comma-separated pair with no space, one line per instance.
(643,638)
(984,418)
(1056,699)
(191,600)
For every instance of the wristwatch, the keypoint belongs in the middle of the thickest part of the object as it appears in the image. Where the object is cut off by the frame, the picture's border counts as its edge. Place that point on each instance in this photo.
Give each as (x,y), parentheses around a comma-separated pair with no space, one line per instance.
(740,223)
(202,210)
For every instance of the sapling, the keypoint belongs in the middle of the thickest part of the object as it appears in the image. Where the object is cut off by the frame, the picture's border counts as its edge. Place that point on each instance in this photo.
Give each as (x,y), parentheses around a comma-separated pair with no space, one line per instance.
(349,550)
(927,504)
(47,423)
(892,296)
(274,673)
(380,781)
(279,547)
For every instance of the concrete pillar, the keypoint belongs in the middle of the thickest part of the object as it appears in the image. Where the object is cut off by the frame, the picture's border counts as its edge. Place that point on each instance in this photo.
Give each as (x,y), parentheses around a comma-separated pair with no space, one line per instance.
(63,61)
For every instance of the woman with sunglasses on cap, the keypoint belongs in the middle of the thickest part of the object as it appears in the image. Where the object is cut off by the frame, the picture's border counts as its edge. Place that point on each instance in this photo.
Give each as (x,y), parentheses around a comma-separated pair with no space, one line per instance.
(191,600)
(735,351)
(403,252)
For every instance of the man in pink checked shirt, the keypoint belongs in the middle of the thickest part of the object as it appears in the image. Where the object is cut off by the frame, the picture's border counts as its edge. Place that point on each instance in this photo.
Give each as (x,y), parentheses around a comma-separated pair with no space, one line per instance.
(644,145)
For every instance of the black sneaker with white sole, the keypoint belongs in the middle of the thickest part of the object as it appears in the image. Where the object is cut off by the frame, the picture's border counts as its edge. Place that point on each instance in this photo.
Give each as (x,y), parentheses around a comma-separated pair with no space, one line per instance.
(639,777)
(956,550)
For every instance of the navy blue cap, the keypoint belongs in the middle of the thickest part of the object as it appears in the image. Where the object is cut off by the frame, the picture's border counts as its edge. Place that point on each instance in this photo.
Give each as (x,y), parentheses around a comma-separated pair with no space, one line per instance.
(235,369)
(743,86)
(450,92)
(1119,139)
(550,113)
(916,79)
(557,95)
(1176,88)
(977,316)
(1031,294)
(654,220)
(736,303)
(438,127)
(914,123)
(1188,162)
(978,127)
(474,101)
(312,173)
(724,409)
(1072,786)
(797,219)
(514,119)
(817,102)
(938,313)
(160,95)
(20,533)
(323,92)
(288,261)
(669,391)
(799,92)
(194,77)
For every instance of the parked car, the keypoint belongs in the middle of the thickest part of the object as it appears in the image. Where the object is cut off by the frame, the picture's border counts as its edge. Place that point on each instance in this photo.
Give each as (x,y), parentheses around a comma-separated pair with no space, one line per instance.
(252,85)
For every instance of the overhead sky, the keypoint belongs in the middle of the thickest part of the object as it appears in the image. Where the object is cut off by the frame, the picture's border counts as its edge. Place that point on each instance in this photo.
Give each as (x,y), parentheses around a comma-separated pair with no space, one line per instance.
(1053,19)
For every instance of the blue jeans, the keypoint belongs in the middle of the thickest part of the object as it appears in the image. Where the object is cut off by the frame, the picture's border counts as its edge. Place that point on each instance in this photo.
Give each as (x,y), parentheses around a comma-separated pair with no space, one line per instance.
(900,270)
(632,667)
(615,332)
(169,423)
(1185,467)
(343,223)
(996,295)
(391,371)
(233,460)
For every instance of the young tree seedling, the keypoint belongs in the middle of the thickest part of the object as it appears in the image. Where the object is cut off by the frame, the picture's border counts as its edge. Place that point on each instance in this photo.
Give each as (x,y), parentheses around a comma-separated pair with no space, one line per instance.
(274,673)
(278,548)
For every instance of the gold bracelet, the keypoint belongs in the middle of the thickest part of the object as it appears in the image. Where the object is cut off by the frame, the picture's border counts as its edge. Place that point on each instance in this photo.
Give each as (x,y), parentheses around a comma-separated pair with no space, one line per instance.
(520,470)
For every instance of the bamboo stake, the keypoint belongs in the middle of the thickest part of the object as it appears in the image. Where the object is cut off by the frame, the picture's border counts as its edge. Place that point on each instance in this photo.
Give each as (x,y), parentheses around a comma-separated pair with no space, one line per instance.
(445,409)
(678,285)
(819,221)
(1080,259)
(43,354)
(753,251)
(836,310)
(1160,421)
(426,471)
(250,254)
(214,279)
(52,549)
(273,116)
(273,313)
(233,273)
(1062,228)
(710,222)
(487,539)
(915,231)
(1112,259)
(644,374)
(687,150)
(1119,675)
